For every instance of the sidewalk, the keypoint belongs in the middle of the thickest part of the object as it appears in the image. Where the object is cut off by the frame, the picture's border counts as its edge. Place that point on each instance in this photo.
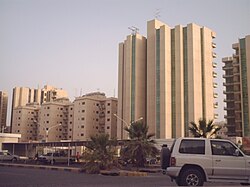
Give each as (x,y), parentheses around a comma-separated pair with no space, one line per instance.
(118,172)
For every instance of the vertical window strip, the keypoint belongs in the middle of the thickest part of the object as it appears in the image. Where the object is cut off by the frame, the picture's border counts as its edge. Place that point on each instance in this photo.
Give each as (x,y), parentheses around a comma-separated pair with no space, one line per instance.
(133,79)
(158,83)
(203,75)
(245,95)
(185,61)
(173,89)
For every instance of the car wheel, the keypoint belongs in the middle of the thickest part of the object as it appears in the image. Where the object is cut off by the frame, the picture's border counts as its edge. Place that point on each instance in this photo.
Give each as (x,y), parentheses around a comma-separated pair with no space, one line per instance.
(165,158)
(191,177)
(14,159)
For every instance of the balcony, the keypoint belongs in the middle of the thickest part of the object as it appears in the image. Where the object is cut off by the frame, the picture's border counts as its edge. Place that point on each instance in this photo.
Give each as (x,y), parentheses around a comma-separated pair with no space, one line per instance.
(235,56)
(228,92)
(215,95)
(228,83)
(227,59)
(229,108)
(214,55)
(213,34)
(228,100)
(227,67)
(227,76)
(235,46)
(216,116)
(214,65)
(214,75)
(229,117)
(238,120)
(213,45)
(215,85)
(216,105)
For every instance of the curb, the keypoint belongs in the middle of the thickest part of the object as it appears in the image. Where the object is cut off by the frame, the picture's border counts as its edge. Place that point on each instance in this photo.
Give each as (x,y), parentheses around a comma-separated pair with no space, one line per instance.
(69,169)
(124,173)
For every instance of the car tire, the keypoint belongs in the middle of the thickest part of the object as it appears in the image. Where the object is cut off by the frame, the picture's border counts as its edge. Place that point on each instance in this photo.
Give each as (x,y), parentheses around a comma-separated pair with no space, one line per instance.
(14,160)
(191,177)
(165,158)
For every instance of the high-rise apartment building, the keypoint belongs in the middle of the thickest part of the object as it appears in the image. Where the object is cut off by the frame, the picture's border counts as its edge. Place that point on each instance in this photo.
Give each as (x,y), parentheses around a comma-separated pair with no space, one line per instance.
(92,115)
(237,83)
(50,93)
(53,120)
(178,82)
(24,122)
(24,95)
(132,81)
(3,110)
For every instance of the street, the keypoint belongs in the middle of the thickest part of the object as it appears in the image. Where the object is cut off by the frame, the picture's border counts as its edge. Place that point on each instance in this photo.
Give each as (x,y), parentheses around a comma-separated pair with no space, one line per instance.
(27,177)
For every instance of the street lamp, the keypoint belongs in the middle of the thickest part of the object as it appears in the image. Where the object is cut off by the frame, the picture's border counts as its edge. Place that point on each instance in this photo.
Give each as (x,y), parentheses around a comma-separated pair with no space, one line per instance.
(139,119)
(48,129)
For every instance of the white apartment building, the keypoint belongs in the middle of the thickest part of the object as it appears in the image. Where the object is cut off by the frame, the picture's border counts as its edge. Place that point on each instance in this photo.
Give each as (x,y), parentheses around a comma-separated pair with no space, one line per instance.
(53,120)
(25,122)
(167,78)
(92,115)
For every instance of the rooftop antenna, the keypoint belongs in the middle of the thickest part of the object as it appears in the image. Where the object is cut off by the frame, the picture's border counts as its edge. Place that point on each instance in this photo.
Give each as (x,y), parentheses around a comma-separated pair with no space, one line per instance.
(157,13)
(134,30)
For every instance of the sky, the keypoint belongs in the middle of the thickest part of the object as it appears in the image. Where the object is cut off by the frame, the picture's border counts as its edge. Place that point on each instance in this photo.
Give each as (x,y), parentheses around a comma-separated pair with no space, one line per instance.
(73,44)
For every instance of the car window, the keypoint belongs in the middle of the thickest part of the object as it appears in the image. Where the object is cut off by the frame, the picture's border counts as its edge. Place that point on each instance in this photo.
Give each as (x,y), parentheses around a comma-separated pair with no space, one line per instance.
(192,147)
(1,153)
(223,148)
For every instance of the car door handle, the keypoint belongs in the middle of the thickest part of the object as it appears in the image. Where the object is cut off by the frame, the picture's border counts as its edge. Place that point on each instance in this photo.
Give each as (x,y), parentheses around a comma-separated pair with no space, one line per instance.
(217,160)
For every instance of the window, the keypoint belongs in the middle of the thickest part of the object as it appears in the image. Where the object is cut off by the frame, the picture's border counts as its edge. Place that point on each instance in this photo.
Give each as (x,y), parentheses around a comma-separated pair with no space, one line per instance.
(192,147)
(83,119)
(108,127)
(82,126)
(108,119)
(83,103)
(82,134)
(223,148)
(108,104)
(108,112)
(47,114)
(83,110)
(48,107)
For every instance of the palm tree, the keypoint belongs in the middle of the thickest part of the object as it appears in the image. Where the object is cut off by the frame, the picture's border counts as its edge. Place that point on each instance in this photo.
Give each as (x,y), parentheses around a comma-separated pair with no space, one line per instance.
(204,129)
(99,153)
(140,146)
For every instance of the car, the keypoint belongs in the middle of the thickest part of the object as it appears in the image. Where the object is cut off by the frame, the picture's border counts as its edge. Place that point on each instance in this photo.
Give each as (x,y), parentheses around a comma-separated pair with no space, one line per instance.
(6,156)
(193,161)
(55,158)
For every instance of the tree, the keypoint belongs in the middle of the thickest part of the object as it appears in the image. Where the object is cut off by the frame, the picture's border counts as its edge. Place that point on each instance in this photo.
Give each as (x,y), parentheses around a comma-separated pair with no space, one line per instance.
(140,146)
(99,153)
(204,129)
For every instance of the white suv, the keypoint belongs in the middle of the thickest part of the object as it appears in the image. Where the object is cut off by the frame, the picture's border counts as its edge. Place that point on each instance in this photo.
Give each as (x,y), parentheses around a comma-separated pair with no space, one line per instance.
(192,161)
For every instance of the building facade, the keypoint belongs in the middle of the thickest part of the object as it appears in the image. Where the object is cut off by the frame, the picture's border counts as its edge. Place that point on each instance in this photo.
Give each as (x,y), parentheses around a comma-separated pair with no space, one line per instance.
(237,84)
(3,110)
(179,85)
(53,120)
(131,81)
(25,122)
(24,95)
(92,115)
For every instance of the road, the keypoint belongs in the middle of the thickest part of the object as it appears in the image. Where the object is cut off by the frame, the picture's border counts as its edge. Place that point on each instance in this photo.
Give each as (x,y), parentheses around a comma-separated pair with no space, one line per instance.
(27,177)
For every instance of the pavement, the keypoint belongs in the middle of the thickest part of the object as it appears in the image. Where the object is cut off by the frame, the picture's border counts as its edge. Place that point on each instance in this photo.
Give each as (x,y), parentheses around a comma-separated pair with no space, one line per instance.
(116,172)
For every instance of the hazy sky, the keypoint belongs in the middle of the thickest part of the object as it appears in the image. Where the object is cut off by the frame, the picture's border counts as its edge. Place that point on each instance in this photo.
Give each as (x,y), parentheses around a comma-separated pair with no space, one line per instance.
(73,44)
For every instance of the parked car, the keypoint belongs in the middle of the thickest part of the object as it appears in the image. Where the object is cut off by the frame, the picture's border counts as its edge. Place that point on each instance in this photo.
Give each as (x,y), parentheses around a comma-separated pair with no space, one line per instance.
(6,156)
(192,161)
(55,158)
